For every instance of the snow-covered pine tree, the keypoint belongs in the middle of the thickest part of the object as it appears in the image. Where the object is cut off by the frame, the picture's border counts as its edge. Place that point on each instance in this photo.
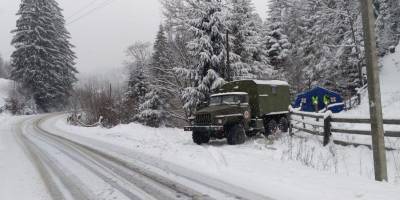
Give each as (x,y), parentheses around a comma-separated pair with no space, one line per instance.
(277,42)
(207,47)
(336,48)
(137,86)
(154,109)
(387,24)
(66,55)
(196,33)
(296,24)
(37,63)
(161,67)
(319,55)
(135,93)
(247,50)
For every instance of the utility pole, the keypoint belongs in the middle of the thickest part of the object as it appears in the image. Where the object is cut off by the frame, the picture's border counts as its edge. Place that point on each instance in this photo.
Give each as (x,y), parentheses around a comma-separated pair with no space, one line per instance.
(375,105)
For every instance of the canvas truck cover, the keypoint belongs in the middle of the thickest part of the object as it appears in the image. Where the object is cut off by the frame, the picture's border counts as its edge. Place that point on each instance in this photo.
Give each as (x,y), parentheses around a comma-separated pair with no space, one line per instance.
(265,96)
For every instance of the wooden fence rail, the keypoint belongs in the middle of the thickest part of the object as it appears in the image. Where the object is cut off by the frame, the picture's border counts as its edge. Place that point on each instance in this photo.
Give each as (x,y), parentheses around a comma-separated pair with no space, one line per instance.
(325,121)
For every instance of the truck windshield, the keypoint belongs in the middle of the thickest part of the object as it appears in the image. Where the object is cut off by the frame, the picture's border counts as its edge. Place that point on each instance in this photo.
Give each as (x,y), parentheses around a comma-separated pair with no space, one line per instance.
(228,99)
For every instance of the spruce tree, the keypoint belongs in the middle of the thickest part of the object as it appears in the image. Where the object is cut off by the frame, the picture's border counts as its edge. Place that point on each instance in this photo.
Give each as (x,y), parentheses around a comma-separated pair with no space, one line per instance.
(66,55)
(161,67)
(248,56)
(136,91)
(153,110)
(276,40)
(387,24)
(207,47)
(38,63)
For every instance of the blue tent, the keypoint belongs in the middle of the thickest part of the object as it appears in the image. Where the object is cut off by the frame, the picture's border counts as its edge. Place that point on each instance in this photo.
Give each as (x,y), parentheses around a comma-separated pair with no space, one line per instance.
(304,100)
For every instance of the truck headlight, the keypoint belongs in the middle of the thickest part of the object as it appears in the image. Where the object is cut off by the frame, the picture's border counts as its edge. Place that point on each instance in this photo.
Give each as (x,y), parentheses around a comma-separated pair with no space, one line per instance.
(220,121)
(246,115)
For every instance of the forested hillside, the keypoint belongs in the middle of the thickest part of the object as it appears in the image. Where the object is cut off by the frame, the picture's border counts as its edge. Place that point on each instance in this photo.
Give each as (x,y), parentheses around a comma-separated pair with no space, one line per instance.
(202,44)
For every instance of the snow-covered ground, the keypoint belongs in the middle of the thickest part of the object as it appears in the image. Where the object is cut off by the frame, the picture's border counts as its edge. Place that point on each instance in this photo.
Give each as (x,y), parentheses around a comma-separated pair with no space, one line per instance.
(18,176)
(290,168)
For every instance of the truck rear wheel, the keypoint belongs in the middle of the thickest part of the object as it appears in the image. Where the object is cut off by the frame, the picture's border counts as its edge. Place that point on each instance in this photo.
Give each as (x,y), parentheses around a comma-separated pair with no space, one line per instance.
(236,134)
(271,127)
(284,124)
(199,138)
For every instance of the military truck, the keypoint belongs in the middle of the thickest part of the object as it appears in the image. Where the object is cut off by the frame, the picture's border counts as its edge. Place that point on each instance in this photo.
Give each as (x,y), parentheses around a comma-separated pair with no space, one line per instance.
(242,108)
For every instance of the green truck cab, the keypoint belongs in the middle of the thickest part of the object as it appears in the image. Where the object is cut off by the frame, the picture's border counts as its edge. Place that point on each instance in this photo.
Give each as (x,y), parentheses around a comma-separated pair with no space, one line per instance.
(242,108)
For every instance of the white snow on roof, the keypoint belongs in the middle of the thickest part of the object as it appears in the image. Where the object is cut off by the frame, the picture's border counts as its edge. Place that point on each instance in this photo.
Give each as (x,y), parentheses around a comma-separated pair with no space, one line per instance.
(229,93)
(271,82)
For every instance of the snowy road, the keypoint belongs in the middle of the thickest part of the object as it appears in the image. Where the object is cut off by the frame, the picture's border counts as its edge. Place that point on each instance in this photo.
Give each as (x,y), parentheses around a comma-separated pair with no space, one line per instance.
(76,168)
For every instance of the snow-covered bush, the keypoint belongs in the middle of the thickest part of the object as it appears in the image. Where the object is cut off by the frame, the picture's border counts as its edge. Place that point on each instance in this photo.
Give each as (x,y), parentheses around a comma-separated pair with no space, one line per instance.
(19,104)
(96,100)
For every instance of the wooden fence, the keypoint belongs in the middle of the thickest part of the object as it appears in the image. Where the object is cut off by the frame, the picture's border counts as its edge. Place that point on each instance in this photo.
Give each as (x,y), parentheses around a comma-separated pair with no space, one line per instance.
(311,122)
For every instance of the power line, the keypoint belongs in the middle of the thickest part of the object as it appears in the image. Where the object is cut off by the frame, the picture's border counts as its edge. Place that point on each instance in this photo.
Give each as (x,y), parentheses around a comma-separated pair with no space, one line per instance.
(104,4)
(82,9)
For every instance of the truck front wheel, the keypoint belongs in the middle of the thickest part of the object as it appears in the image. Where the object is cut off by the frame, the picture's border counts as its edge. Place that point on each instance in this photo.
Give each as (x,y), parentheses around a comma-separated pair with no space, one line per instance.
(199,138)
(236,134)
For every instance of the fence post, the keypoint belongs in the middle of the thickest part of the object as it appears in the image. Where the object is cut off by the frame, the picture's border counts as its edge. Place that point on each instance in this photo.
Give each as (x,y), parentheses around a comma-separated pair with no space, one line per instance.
(290,124)
(327,130)
(304,124)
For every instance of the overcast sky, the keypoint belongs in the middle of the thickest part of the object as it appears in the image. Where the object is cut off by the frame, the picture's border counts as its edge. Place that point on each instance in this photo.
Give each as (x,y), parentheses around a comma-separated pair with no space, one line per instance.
(101,36)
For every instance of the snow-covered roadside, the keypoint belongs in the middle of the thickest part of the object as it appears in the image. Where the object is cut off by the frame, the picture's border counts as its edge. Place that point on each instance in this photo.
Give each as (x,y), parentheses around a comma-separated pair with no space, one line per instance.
(18,176)
(390,93)
(390,89)
(283,170)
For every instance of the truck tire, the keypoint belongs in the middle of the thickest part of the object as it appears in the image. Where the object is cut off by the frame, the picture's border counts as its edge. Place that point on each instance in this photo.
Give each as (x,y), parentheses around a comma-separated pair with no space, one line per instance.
(284,125)
(199,138)
(271,127)
(236,134)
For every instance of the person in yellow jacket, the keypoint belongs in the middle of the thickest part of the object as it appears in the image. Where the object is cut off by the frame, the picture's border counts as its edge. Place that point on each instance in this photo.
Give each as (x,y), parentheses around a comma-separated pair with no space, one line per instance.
(314,101)
(327,101)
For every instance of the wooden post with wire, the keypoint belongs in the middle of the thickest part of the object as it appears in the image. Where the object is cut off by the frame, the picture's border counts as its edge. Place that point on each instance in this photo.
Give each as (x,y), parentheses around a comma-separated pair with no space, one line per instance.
(375,105)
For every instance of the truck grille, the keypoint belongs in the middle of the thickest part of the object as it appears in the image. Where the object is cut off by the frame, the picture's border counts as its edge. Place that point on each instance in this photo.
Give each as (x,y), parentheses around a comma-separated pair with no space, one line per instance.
(203,119)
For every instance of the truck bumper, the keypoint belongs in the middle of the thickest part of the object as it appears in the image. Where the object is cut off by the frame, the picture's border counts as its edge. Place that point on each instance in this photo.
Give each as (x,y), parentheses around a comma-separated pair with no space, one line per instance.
(204,128)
